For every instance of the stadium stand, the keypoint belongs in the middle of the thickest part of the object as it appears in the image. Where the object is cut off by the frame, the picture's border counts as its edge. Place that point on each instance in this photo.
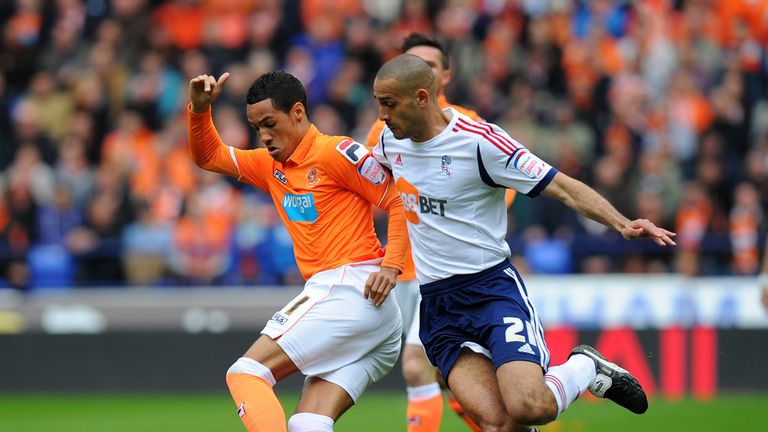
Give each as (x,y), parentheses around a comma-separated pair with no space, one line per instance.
(659,104)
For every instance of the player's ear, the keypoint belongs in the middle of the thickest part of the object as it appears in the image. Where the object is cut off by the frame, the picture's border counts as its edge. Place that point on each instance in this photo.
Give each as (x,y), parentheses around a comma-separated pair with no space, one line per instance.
(298,112)
(422,97)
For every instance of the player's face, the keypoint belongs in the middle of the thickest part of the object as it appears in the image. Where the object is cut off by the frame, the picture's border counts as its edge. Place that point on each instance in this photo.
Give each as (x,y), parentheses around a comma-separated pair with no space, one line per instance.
(278,132)
(398,110)
(434,59)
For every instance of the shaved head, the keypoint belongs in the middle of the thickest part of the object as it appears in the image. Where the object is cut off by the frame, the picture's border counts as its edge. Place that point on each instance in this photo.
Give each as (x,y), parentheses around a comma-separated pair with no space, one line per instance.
(410,72)
(405,89)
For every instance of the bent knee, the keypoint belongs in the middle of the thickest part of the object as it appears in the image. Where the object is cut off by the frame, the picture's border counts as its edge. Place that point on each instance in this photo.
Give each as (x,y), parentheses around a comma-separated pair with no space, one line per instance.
(533,411)
(500,424)
(249,367)
(416,374)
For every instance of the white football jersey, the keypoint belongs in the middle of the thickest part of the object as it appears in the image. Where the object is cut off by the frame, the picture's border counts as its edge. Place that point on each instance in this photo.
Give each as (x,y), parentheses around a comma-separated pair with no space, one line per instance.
(453,187)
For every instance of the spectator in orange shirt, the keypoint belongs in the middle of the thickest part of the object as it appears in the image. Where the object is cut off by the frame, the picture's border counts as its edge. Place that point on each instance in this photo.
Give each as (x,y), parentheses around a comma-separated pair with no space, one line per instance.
(342,331)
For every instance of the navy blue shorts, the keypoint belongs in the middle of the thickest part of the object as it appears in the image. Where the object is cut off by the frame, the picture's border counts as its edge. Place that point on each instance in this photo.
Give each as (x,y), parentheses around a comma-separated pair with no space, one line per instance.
(488,312)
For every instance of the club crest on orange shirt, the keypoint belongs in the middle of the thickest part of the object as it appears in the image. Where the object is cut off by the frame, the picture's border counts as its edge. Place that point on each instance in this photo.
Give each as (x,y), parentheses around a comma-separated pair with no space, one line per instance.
(312,178)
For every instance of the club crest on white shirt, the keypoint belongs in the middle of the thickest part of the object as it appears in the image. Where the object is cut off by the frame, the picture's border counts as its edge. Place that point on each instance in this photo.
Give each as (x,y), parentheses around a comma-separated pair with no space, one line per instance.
(444,162)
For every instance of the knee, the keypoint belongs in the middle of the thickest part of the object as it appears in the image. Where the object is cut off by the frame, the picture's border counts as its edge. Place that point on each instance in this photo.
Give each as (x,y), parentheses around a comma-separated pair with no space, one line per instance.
(533,410)
(494,425)
(417,372)
(249,367)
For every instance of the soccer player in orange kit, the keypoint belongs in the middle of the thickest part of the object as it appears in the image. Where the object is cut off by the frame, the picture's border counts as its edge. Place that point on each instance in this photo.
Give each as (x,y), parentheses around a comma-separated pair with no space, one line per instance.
(425,400)
(343,330)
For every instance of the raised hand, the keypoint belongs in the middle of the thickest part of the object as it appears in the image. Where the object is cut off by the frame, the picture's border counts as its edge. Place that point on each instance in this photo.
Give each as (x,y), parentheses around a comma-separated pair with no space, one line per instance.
(204,89)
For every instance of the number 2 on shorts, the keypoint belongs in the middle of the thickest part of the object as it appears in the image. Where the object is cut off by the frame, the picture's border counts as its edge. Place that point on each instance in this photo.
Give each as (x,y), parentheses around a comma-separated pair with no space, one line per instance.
(516,327)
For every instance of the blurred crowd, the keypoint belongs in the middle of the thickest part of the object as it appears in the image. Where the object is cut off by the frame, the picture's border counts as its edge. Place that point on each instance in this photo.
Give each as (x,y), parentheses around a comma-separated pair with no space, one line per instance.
(660,105)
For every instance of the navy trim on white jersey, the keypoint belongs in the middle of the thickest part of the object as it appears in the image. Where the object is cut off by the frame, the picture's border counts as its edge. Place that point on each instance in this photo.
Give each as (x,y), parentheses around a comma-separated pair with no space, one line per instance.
(381,143)
(543,183)
(484,173)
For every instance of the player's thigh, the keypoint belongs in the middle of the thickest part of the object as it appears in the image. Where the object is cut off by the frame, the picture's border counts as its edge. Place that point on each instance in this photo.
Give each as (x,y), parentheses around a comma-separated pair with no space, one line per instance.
(339,331)
(473,382)
(524,392)
(330,324)
(325,398)
(355,377)
(270,354)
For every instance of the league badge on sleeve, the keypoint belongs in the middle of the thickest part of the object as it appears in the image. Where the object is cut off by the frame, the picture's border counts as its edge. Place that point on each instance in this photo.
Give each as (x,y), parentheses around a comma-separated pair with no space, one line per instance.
(530,165)
(372,171)
(354,152)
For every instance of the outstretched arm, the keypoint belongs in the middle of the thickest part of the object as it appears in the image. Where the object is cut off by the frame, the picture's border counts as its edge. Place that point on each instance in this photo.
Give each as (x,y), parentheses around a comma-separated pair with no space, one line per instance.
(589,203)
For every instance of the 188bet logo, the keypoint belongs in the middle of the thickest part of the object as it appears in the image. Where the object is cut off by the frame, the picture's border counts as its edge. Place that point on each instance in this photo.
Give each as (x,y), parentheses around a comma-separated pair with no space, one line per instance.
(416,203)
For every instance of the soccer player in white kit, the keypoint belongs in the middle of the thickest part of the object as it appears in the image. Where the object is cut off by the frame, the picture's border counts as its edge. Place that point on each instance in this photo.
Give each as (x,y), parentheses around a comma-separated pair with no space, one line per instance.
(425,398)
(478,325)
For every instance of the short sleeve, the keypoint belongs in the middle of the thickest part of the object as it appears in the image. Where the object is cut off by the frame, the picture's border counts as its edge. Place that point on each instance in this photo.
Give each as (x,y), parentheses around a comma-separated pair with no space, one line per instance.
(504,162)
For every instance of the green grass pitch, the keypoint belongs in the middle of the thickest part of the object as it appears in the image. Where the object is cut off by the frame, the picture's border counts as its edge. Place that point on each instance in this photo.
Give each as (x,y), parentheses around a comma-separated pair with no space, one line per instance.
(376,412)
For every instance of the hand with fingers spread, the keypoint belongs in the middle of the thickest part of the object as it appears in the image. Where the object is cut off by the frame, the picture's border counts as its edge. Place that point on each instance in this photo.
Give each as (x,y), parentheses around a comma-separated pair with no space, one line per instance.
(204,89)
(380,284)
(641,228)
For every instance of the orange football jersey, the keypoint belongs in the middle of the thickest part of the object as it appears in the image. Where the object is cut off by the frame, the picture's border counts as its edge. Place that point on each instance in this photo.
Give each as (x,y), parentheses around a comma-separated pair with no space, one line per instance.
(323,194)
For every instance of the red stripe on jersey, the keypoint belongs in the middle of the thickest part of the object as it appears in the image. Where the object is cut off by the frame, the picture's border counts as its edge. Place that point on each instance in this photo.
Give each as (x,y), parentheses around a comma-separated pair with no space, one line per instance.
(468,128)
(488,128)
(490,131)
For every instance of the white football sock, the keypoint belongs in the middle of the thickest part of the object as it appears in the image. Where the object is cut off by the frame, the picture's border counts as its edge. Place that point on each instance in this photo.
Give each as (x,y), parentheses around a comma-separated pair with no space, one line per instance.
(309,422)
(424,392)
(569,380)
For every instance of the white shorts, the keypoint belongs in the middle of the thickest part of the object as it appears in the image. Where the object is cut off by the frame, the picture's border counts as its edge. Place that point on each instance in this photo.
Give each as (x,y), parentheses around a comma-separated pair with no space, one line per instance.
(330,331)
(409,300)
